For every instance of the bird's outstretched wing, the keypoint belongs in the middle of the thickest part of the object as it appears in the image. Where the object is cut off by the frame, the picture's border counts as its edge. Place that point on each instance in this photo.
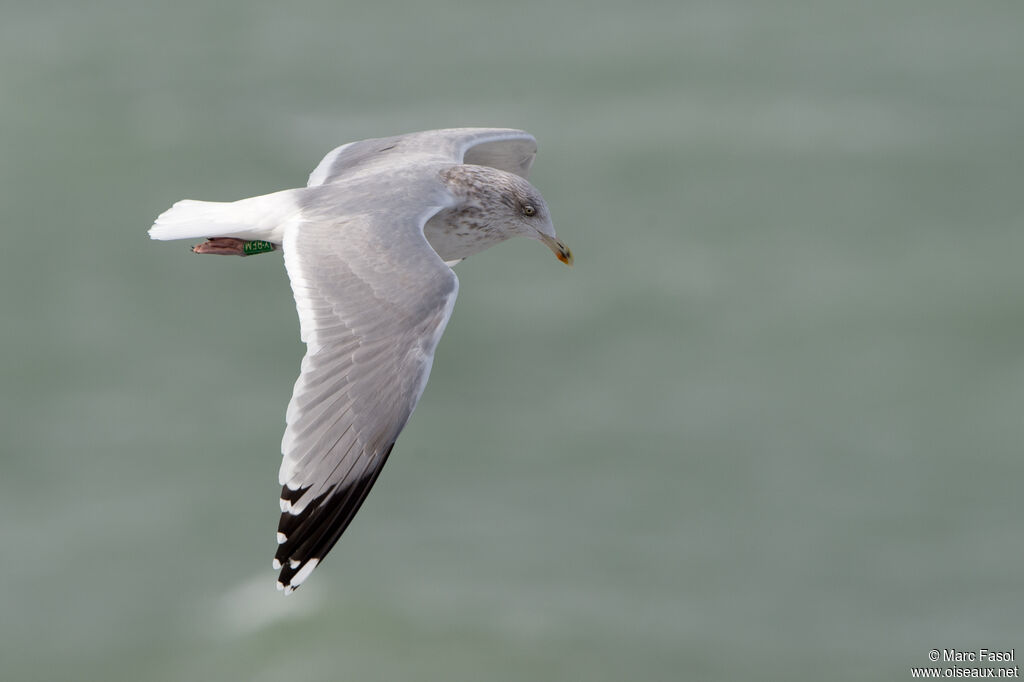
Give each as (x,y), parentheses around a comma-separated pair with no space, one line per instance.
(506,149)
(373,300)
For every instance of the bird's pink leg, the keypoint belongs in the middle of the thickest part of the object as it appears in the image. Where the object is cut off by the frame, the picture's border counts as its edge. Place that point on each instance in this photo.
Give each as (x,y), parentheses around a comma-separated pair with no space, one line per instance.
(229,246)
(222,246)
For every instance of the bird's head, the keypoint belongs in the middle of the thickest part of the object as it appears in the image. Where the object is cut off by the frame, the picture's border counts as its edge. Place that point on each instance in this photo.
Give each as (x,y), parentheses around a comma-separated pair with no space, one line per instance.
(528,216)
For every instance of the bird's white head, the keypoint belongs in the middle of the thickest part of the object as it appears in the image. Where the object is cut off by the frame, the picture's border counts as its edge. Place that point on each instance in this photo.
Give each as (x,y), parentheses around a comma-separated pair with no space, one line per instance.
(531,217)
(492,206)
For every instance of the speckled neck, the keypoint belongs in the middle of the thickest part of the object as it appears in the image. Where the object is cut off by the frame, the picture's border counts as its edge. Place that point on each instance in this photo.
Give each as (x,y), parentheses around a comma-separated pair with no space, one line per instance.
(477,221)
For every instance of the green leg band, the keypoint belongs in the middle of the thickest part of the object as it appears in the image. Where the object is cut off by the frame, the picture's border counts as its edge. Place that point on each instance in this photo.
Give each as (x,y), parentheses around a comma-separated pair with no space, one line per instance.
(256,246)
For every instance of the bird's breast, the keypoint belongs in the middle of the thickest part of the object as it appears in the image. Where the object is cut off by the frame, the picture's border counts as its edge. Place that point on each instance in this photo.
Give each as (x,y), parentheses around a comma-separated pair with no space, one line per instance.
(456,233)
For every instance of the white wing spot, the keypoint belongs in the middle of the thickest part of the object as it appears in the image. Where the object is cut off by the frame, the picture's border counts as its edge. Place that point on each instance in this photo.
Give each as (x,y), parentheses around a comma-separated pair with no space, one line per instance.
(304,572)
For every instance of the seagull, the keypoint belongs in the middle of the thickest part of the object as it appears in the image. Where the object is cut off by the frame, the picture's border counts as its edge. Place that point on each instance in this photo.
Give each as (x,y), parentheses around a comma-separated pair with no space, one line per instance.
(369,245)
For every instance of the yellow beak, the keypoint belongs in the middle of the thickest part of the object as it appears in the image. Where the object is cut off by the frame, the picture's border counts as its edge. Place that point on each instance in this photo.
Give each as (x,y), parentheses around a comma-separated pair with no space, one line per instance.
(558,247)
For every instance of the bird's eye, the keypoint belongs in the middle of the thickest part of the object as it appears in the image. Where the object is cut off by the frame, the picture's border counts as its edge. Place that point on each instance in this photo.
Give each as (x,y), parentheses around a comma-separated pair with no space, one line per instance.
(529,210)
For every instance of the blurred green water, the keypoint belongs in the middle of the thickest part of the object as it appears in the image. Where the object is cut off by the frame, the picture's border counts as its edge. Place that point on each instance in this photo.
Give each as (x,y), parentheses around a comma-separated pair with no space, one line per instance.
(768,426)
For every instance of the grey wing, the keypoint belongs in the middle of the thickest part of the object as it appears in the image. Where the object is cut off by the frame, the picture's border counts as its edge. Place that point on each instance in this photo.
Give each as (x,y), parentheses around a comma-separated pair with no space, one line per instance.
(506,149)
(373,300)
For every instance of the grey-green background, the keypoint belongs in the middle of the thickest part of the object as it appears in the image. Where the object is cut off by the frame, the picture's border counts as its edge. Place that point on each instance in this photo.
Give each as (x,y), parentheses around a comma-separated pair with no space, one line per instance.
(769,426)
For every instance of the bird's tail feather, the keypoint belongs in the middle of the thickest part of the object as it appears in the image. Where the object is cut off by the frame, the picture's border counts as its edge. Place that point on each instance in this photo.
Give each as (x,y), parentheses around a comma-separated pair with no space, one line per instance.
(261,217)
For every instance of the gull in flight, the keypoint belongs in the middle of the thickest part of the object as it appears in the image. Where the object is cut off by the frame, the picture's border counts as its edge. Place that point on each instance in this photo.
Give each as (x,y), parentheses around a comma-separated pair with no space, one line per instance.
(369,245)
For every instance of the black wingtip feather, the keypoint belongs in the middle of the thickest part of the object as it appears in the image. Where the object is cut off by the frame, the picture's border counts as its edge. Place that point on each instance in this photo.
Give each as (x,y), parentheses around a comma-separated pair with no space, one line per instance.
(312,533)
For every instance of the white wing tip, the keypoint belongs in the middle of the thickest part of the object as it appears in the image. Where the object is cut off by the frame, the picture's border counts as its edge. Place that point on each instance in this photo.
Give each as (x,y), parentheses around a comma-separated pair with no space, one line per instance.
(299,577)
(303,573)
